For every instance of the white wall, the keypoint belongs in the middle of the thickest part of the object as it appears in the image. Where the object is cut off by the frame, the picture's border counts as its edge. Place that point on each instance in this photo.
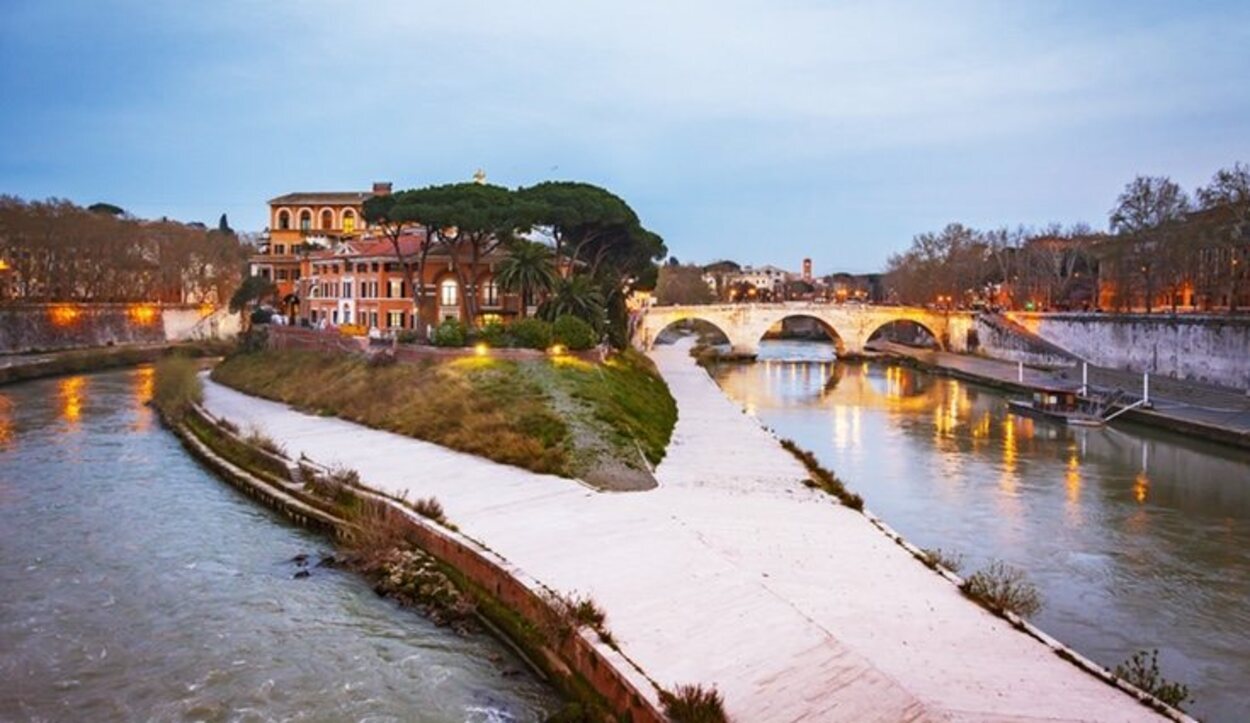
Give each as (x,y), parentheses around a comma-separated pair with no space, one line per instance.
(1212,349)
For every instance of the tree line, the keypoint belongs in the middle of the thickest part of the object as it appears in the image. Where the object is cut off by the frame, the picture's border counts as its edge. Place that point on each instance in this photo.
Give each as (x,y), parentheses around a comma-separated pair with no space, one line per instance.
(1163,247)
(576,247)
(56,251)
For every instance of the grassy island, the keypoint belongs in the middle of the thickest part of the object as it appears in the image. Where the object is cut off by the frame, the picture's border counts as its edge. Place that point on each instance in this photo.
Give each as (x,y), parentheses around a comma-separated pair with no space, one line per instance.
(606,424)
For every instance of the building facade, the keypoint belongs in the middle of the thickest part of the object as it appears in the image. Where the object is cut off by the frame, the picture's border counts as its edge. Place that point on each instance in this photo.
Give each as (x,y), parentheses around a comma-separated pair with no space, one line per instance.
(301,224)
(362,282)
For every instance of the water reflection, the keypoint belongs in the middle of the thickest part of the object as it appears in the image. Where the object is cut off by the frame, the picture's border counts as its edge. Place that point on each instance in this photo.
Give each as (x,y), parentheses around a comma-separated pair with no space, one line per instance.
(1138,538)
(71,392)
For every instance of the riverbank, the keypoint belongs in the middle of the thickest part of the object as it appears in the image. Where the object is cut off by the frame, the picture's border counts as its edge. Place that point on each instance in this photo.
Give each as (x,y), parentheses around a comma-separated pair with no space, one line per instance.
(604,423)
(1187,408)
(25,367)
(789,604)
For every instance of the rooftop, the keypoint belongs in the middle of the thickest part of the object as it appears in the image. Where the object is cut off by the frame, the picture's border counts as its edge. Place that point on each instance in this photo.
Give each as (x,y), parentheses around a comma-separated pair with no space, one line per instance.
(321,198)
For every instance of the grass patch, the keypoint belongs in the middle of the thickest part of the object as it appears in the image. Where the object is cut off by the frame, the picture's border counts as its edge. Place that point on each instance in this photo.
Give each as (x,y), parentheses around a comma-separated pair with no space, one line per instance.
(177,386)
(627,395)
(822,478)
(1001,587)
(1142,671)
(693,704)
(482,406)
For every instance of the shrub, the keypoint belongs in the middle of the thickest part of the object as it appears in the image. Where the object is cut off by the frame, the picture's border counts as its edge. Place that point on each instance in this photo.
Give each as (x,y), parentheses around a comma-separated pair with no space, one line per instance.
(938,557)
(825,479)
(693,704)
(431,508)
(261,316)
(1146,676)
(1001,587)
(177,386)
(495,334)
(260,440)
(572,332)
(531,333)
(408,336)
(450,333)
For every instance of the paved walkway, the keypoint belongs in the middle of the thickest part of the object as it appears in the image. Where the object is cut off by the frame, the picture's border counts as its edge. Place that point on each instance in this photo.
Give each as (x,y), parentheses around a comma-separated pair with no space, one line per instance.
(731,572)
(1189,401)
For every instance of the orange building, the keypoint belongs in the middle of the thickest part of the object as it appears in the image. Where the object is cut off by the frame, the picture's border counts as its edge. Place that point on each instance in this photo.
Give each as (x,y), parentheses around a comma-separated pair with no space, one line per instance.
(302,223)
(361,282)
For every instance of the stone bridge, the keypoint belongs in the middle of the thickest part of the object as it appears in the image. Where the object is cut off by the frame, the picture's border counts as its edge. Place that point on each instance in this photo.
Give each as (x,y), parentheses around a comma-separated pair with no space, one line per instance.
(850,325)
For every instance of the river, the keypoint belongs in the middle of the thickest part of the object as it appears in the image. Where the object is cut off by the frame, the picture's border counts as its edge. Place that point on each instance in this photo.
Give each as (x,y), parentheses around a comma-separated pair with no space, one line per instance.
(1137,539)
(135,585)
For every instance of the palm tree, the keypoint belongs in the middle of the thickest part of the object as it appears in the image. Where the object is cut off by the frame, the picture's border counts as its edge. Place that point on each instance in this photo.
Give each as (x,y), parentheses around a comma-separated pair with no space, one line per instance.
(527,270)
(577,295)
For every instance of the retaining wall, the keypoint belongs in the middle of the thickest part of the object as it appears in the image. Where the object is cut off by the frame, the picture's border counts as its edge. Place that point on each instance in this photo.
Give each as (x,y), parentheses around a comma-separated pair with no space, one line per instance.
(1198,347)
(1000,338)
(53,327)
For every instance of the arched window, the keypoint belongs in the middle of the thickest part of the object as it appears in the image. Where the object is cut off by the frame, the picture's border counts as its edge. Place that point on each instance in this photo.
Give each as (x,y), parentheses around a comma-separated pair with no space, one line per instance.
(449,292)
(349,221)
(327,220)
(284,219)
(490,293)
(305,220)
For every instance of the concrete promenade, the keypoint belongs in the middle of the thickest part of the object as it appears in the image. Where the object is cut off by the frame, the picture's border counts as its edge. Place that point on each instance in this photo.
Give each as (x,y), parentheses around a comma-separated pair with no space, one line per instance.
(731,573)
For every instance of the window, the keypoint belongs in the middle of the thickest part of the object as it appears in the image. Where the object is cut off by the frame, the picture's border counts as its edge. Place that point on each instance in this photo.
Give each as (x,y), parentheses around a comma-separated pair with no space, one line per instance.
(395,319)
(335,314)
(395,289)
(284,219)
(281,274)
(373,318)
(279,249)
(347,289)
(305,220)
(349,221)
(449,295)
(490,293)
(327,220)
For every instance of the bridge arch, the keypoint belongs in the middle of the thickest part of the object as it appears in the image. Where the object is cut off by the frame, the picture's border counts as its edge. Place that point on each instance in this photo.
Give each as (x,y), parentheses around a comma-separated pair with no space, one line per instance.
(670,323)
(905,325)
(824,325)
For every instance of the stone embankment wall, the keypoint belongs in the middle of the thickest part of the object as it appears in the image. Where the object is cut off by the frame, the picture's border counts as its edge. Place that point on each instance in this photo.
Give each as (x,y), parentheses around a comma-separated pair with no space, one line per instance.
(624,688)
(1000,338)
(1198,347)
(53,327)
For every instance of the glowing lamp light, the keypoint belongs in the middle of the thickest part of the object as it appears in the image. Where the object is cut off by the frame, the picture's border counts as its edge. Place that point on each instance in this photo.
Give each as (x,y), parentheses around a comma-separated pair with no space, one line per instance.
(142,314)
(206,309)
(556,349)
(64,315)
(4,265)
(481,348)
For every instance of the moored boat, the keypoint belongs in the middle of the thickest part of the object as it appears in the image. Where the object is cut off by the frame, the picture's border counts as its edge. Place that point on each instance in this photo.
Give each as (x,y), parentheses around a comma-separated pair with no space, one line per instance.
(1060,405)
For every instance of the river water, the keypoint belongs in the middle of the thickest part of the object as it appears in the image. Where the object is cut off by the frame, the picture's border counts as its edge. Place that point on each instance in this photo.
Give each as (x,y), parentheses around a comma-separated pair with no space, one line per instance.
(1137,539)
(135,585)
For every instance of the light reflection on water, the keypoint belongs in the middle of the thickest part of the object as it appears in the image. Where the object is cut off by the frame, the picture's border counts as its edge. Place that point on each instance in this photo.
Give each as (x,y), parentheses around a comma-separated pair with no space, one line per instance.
(134,585)
(1137,538)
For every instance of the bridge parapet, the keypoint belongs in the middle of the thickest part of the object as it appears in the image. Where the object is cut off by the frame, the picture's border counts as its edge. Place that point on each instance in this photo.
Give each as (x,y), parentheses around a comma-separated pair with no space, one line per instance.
(850,325)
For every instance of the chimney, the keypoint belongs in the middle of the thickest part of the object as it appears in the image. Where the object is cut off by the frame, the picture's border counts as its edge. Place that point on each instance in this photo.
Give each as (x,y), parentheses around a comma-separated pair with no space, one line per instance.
(381,188)
(807,269)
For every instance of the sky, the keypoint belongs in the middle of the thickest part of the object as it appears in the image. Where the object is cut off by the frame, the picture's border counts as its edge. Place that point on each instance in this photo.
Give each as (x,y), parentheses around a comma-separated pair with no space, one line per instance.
(764,132)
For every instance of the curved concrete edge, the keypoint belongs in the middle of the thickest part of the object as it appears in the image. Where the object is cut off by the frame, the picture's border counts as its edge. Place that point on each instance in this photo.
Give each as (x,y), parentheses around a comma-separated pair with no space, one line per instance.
(1024,626)
(612,675)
